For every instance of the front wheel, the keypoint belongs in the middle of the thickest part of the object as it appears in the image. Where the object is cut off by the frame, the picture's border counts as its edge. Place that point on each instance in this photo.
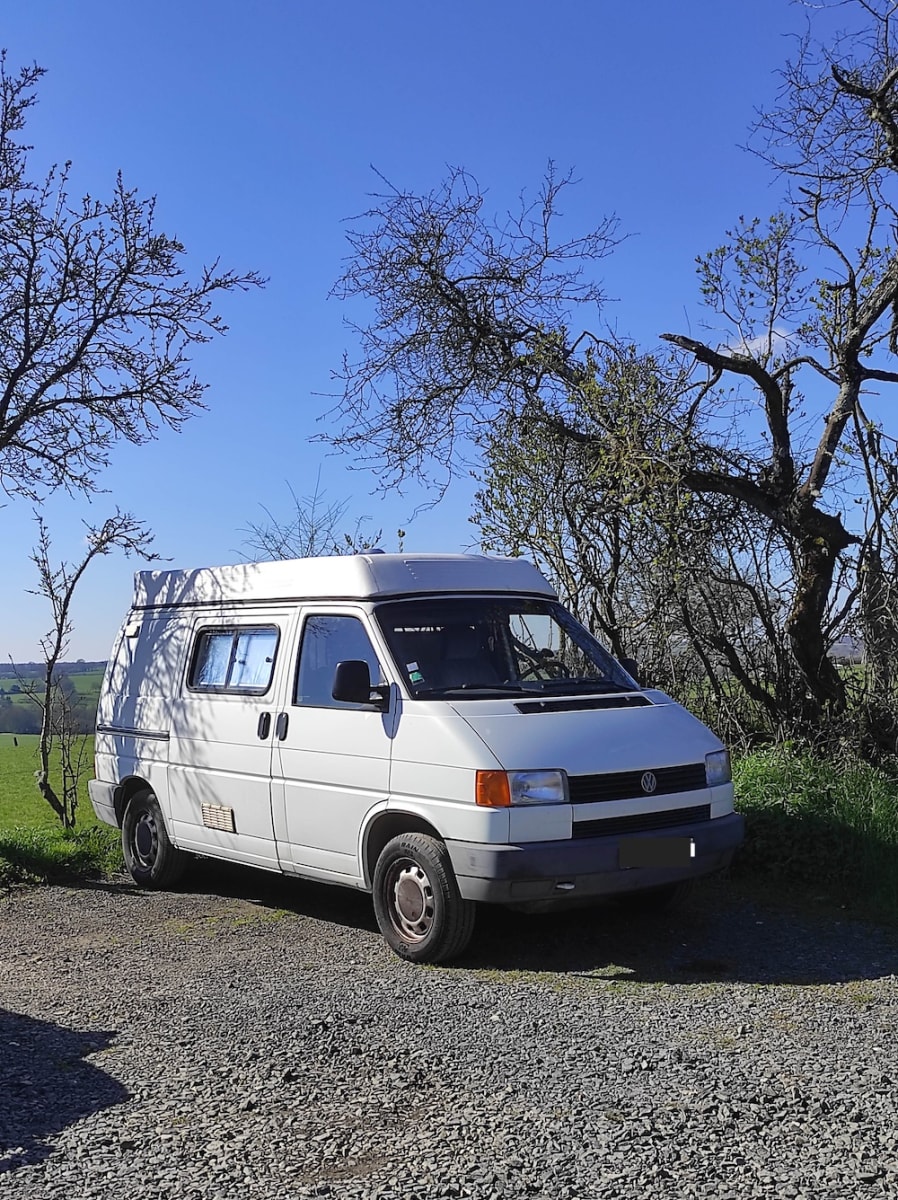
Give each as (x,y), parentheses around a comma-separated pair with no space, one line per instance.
(418,906)
(150,857)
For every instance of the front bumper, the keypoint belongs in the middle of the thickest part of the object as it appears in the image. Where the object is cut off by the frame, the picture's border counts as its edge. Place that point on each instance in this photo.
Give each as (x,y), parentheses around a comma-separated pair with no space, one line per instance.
(545,871)
(102,798)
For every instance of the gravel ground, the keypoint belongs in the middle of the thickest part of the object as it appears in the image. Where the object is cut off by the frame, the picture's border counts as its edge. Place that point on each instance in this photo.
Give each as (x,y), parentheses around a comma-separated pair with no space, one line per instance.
(254,1038)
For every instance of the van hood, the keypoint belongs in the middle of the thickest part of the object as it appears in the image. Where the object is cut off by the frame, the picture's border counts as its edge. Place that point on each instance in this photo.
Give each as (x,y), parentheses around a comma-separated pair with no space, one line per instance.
(660,734)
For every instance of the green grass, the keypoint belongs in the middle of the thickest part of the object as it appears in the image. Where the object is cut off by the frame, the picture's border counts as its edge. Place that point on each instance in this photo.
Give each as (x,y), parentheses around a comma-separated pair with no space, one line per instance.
(819,825)
(87,686)
(47,855)
(21,804)
(33,845)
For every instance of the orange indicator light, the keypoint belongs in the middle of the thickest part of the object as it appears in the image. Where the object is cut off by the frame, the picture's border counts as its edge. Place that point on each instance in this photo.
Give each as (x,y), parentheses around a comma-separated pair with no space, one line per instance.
(491,789)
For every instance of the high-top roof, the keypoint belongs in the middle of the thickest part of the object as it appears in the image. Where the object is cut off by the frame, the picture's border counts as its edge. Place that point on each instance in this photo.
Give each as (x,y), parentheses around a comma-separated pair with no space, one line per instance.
(355,576)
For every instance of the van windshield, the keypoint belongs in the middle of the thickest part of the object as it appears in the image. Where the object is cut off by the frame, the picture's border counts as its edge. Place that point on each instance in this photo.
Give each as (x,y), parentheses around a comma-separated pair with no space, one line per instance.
(476,646)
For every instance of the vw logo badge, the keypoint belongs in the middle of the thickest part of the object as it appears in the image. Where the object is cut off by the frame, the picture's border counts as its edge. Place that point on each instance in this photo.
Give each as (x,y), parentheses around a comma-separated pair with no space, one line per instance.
(649,782)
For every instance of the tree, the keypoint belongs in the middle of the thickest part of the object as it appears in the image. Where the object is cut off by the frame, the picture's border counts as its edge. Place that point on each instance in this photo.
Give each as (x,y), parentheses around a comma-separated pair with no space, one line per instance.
(314,527)
(97,317)
(833,136)
(58,703)
(473,319)
(689,587)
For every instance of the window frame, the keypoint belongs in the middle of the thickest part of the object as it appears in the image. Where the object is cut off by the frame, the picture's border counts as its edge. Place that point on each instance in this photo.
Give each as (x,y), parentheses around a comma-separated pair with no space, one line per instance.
(335,705)
(235,631)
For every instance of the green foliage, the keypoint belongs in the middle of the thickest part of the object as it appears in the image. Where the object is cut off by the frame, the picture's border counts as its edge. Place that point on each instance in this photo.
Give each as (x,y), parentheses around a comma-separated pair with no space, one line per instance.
(830,825)
(38,855)
(812,824)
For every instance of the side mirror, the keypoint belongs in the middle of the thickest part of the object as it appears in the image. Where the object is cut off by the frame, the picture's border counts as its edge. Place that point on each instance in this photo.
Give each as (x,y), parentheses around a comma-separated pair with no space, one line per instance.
(352,684)
(631,666)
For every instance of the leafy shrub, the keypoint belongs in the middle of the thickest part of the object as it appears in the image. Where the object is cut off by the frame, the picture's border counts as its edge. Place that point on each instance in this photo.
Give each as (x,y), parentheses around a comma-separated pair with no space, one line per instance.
(812,821)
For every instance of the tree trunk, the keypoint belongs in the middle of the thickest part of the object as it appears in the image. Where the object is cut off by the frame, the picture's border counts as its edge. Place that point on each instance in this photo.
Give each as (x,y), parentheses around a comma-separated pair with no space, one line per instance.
(804,626)
(45,744)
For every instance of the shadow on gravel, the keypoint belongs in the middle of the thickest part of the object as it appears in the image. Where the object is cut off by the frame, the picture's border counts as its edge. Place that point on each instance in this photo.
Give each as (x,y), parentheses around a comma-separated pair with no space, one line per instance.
(723,933)
(335,905)
(46,1086)
(720,935)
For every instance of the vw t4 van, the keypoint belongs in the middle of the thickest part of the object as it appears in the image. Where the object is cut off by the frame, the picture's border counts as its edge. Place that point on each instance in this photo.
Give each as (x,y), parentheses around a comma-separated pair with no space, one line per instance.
(434,729)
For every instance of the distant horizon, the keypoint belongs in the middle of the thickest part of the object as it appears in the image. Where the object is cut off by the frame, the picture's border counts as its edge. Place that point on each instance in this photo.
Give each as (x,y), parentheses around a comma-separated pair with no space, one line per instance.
(7,666)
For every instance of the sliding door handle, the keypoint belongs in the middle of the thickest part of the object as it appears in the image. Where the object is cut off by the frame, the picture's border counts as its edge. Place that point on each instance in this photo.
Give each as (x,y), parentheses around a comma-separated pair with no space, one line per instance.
(281,726)
(264,727)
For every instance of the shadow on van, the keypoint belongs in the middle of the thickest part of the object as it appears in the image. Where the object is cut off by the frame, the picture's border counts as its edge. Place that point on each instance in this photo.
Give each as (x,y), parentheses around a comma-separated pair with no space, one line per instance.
(46,1085)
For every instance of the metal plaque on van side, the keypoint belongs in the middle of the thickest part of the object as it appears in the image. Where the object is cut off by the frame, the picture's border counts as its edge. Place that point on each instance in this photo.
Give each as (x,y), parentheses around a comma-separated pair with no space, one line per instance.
(216,816)
(656,852)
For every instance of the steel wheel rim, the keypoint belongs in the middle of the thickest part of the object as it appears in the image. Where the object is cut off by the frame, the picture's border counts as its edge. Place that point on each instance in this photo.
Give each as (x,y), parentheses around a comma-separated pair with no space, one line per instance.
(145,840)
(410,900)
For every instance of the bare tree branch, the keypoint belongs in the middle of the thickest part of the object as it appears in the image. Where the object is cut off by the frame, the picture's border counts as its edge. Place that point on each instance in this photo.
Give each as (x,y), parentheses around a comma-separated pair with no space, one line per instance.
(98,318)
(56,585)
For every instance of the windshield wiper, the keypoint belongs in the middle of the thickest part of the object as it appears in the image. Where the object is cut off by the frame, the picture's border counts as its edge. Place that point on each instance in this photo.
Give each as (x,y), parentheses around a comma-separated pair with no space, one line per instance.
(584,682)
(516,688)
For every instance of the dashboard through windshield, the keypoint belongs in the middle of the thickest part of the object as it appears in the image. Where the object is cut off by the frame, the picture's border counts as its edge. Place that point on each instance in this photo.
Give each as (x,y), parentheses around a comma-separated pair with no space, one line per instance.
(479,646)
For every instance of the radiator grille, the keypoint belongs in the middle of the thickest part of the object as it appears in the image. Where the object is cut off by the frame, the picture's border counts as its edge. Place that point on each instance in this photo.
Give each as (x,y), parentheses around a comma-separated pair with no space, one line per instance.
(641,822)
(627,785)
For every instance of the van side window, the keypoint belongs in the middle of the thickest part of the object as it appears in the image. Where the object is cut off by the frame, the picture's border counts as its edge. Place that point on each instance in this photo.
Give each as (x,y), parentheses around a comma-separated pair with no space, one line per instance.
(233,660)
(327,641)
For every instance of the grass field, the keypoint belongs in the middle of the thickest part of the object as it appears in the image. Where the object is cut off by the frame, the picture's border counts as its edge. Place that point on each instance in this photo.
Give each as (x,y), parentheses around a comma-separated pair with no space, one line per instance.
(33,845)
(86,696)
(87,685)
(20,802)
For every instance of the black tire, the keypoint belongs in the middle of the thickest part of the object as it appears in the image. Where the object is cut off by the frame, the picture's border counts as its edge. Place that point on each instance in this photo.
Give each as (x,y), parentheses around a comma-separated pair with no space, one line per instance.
(149,856)
(418,906)
(658,899)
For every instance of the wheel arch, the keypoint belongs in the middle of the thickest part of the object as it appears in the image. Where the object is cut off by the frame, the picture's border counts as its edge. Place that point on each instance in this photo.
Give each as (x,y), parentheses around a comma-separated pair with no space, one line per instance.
(383,828)
(128,787)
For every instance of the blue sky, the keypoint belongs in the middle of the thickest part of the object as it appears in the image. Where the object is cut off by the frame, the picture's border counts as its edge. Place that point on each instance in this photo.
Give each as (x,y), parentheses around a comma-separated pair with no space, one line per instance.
(256,125)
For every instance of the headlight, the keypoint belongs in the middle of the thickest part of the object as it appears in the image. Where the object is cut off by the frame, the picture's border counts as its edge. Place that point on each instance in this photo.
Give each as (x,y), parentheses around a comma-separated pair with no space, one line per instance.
(538,787)
(499,789)
(717,768)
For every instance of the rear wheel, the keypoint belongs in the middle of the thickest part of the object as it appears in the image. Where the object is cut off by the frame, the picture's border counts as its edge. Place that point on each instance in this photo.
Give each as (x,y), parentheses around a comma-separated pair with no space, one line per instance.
(419,908)
(149,856)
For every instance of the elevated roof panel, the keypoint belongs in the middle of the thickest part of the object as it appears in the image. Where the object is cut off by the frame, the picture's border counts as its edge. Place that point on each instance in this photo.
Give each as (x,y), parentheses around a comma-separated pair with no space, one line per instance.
(355,576)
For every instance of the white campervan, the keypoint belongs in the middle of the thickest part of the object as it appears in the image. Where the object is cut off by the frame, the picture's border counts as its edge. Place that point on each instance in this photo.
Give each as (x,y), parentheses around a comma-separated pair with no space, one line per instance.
(435,729)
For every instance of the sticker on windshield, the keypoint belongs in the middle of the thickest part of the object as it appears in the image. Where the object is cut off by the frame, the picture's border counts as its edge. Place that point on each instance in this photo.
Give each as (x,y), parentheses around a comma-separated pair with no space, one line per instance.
(413,673)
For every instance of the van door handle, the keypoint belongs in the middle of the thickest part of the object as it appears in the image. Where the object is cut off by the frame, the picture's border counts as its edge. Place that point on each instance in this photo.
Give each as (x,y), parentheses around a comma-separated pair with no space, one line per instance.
(264,727)
(281,726)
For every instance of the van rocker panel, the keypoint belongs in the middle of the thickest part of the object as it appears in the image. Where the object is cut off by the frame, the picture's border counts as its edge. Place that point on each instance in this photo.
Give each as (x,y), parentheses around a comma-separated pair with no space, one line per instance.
(533,871)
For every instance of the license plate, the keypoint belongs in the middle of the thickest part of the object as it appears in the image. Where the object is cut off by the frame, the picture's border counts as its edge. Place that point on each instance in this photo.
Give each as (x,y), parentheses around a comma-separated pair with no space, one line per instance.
(656,852)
